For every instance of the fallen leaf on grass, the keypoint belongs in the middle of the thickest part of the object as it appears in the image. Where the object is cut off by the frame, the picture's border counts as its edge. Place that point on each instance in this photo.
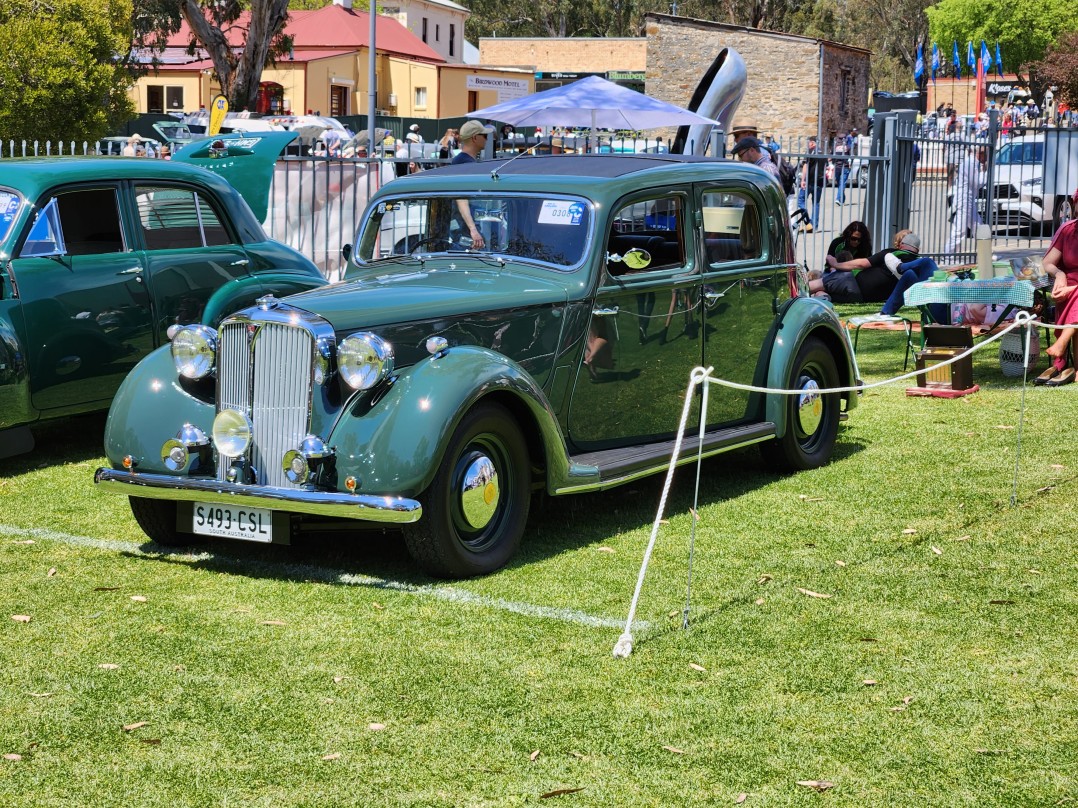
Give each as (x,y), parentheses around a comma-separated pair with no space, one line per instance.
(900,708)
(378,605)
(839,562)
(274,623)
(909,531)
(534,756)
(936,550)
(1004,426)
(695,515)
(338,679)
(604,550)
(674,749)
(21,618)
(25,541)
(869,682)
(331,756)
(763,579)
(136,725)
(559,791)
(759,601)
(696,667)
(812,594)
(867,639)
(51,572)
(819,785)
(1057,467)
(106,589)
(41,695)
(740,798)
(1001,602)
(1044,489)
(108,666)
(374,726)
(12,756)
(150,741)
(138,598)
(1035,572)
(907,700)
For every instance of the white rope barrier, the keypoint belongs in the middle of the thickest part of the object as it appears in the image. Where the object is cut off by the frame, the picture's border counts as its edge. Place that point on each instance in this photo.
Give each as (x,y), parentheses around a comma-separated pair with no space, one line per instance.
(700,375)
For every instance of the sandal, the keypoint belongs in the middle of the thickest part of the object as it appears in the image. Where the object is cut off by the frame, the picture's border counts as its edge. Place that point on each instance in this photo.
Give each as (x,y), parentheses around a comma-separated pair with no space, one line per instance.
(1047,376)
(1066,376)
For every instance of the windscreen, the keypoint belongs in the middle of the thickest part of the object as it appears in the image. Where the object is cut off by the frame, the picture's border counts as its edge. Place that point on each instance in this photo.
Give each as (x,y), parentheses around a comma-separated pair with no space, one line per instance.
(545,229)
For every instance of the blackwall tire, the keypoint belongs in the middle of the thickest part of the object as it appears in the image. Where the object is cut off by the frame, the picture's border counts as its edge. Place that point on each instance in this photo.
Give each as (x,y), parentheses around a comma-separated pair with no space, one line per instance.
(811,419)
(476,507)
(157,518)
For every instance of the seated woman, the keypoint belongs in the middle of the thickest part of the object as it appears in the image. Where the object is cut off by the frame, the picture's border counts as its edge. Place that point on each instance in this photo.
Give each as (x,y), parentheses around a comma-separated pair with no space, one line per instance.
(875,281)
(1061,262)
(855,242)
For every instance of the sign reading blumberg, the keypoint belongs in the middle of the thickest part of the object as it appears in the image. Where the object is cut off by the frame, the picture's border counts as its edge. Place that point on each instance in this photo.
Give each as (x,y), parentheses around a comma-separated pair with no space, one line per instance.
(506,88)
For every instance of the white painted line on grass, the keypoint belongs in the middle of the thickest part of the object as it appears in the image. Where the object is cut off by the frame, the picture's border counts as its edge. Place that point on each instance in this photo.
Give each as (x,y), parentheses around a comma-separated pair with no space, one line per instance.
(438,592)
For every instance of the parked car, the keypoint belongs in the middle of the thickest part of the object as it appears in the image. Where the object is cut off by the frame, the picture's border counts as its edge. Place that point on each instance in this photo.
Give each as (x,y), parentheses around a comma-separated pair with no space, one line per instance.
(447,381)
(100,256)
(1018,188)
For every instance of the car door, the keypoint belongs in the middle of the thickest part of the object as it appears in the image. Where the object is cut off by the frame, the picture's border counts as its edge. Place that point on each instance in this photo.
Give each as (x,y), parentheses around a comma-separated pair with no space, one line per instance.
(644,336)
(744,281)
(86,308)
(189,247)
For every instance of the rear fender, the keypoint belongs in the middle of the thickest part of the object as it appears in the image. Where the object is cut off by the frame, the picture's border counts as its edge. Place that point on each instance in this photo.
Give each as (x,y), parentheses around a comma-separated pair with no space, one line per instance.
(801,318)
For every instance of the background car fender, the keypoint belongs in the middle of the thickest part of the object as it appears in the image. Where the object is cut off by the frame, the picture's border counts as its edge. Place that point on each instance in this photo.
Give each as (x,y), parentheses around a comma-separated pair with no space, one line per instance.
(799,319)
(149,408)
(395,444)
(243,292)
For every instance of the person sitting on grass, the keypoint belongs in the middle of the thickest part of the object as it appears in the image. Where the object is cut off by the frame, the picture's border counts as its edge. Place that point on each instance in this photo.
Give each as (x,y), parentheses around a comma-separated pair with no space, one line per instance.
(854,242)
(1061,262)
(875,281)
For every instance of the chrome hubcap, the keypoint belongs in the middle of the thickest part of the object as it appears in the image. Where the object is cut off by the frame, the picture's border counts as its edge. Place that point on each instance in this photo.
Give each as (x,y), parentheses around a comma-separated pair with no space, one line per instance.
(479,491)
(809,407)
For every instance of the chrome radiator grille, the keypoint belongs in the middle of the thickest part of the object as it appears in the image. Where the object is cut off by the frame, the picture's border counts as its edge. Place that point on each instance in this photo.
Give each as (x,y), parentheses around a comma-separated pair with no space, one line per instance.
(267,374)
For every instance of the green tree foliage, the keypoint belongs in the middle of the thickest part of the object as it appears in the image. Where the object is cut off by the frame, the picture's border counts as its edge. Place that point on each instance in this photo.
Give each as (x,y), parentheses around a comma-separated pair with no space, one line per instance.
(1060,67)
(60,78)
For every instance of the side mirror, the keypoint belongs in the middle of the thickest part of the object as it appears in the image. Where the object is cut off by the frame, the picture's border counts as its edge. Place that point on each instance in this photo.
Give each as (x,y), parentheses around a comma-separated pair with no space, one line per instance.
(346,251)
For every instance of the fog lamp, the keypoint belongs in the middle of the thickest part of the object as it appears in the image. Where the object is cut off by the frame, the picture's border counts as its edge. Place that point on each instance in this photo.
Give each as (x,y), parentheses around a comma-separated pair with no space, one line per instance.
(232,432)
(298,464)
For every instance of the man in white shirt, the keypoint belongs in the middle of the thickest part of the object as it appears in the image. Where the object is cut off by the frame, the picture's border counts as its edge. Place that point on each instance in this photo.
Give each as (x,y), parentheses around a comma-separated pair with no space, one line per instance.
(967,185)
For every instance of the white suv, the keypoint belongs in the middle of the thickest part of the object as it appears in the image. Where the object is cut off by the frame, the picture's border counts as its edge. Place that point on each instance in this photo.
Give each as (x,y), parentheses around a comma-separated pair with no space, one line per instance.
(1019,200)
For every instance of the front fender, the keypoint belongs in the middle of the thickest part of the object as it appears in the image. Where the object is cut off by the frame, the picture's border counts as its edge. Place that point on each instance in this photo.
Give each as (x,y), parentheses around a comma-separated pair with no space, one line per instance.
(396,444)
(148,409)
(243,292)
(799,319)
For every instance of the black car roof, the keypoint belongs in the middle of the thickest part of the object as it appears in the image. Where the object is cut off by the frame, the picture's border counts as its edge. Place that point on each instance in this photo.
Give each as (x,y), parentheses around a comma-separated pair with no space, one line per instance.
(573,165)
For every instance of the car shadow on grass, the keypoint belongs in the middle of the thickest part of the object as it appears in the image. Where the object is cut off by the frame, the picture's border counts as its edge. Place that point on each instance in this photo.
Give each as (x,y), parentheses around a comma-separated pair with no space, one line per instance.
(74,439)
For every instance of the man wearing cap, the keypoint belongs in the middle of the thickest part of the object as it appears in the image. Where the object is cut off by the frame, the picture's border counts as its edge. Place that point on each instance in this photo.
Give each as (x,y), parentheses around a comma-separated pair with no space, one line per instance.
(751,150)
(470,143)
(910,269)
(813,168)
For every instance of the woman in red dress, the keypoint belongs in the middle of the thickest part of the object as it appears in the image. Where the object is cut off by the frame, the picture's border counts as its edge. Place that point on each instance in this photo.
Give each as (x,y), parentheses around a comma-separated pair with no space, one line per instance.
(1061,262)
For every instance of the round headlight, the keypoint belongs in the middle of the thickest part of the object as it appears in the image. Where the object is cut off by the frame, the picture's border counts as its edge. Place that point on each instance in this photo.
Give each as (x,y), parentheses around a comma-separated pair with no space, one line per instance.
(232,432)
(364,360)
(194,351)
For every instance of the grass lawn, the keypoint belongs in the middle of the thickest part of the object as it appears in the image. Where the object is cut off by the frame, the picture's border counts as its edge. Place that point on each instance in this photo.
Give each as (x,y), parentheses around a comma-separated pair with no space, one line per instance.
(941,668)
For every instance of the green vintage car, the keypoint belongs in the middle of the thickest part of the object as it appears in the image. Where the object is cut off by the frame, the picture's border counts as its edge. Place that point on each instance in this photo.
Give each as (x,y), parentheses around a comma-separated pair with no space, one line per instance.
(100,256)
(509,327)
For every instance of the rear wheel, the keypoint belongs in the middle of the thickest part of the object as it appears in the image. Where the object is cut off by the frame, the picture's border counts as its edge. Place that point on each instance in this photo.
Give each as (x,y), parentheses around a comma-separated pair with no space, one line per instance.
(476,507)
(157,518)
(811,418)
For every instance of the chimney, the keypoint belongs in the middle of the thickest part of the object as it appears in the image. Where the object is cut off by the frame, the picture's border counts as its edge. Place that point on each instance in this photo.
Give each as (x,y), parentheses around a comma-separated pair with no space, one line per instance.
(345,3)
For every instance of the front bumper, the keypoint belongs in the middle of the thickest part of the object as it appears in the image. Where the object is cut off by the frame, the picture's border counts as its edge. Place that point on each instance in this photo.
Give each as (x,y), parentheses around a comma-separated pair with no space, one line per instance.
(362,507)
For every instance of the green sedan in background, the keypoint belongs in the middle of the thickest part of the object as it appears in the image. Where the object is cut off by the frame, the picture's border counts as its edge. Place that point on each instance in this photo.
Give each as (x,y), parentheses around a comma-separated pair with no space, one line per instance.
(506,327)
(100,256)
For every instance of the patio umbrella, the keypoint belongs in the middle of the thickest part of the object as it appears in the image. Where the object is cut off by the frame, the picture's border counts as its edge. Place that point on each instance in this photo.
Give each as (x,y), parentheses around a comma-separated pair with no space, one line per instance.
(593,103)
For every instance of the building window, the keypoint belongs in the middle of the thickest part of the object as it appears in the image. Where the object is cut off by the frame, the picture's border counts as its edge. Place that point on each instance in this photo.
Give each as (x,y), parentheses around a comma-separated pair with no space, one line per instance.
(420,97)
(437,33)
(424,29)
(164,99)
(338,101)
(844,90)
(452,39)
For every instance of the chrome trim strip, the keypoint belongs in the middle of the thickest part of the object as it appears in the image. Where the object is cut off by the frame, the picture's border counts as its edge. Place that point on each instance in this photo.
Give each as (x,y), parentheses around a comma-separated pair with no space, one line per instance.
(362,507)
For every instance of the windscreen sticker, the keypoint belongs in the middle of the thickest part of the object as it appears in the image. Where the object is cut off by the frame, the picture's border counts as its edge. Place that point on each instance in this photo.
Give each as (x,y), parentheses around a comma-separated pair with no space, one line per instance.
(559,211)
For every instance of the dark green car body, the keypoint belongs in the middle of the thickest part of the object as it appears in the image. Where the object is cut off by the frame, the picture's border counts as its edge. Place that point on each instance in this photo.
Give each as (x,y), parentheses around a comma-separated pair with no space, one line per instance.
(555,357)
(128,248)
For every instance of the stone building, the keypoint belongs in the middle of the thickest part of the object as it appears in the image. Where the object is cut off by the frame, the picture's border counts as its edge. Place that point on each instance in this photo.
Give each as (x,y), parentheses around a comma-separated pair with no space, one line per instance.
(797,86)
(562,60)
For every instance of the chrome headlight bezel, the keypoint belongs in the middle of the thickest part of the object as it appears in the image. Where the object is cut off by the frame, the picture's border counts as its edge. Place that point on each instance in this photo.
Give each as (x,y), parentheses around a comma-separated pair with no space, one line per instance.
(364,360)
(194,351)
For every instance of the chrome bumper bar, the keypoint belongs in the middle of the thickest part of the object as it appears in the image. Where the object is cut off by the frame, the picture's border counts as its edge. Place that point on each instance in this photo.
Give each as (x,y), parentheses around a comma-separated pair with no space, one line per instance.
(363,507)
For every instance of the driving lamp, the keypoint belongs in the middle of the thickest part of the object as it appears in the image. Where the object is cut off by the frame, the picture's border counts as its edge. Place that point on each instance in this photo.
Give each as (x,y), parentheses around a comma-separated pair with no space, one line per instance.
(298,464)
(232,432)
(194,351)
(364,360)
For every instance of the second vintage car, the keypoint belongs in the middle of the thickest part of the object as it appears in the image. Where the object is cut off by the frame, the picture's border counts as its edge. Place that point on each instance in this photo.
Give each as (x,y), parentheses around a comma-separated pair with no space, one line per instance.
(509,327)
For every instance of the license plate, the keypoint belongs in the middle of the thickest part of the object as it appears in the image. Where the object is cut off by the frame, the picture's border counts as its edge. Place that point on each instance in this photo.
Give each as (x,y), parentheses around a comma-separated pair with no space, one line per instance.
(228,522)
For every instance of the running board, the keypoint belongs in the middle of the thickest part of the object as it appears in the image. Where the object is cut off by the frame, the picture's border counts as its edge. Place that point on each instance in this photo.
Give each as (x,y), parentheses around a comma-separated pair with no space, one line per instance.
(630,462)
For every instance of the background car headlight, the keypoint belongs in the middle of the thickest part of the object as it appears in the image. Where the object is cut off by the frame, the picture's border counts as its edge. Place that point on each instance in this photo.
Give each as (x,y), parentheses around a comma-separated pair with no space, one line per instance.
(232,432)
(364,360)
(194,351)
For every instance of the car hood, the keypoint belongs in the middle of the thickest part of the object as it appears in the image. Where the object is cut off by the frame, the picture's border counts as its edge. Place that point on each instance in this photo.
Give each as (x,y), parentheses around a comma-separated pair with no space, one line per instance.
(440,289)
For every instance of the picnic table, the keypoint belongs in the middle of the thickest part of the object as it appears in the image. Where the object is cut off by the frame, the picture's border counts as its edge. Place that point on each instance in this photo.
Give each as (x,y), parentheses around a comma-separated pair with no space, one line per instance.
(1009,292)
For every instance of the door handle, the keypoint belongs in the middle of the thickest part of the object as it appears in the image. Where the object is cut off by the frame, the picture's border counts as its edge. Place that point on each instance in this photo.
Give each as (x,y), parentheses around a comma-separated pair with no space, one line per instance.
(132,271)
(605,312)
(241,263)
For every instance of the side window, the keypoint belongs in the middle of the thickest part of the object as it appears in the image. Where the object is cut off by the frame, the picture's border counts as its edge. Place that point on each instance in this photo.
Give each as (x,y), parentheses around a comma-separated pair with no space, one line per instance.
(176,219)
(647,235)
(732,230)
(84,222)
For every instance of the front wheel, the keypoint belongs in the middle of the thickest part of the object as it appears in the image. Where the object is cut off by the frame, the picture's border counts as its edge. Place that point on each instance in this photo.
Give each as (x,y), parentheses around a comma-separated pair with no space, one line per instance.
(811,418)
(475,508)
(157,518)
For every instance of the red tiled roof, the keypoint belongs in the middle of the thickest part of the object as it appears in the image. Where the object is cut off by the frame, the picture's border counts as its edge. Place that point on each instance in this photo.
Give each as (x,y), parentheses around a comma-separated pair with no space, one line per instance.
(333,27)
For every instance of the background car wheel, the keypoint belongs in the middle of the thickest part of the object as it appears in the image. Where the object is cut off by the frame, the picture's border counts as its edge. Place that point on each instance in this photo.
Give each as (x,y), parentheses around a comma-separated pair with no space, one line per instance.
(1062,213)
(157,518)
(811,418)
(862,176)
(475,509)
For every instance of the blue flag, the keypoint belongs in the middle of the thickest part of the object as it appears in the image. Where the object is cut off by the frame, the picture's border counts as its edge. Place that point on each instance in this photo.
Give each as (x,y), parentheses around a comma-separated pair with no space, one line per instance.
(919,65)
(936,60)
(986,58)
(957,64)
(971,60)
(999,62)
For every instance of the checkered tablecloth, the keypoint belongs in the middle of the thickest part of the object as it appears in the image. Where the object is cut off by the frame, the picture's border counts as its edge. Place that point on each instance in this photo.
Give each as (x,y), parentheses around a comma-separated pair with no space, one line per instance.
(1007,291)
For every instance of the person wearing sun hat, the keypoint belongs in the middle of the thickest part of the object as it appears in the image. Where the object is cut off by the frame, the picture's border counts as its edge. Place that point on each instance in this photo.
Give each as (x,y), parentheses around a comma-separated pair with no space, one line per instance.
(470,144)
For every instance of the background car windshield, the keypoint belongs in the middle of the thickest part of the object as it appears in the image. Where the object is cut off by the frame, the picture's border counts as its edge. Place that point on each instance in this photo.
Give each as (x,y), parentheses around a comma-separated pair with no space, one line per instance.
(9,207)
(548,229)
(1029,153)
